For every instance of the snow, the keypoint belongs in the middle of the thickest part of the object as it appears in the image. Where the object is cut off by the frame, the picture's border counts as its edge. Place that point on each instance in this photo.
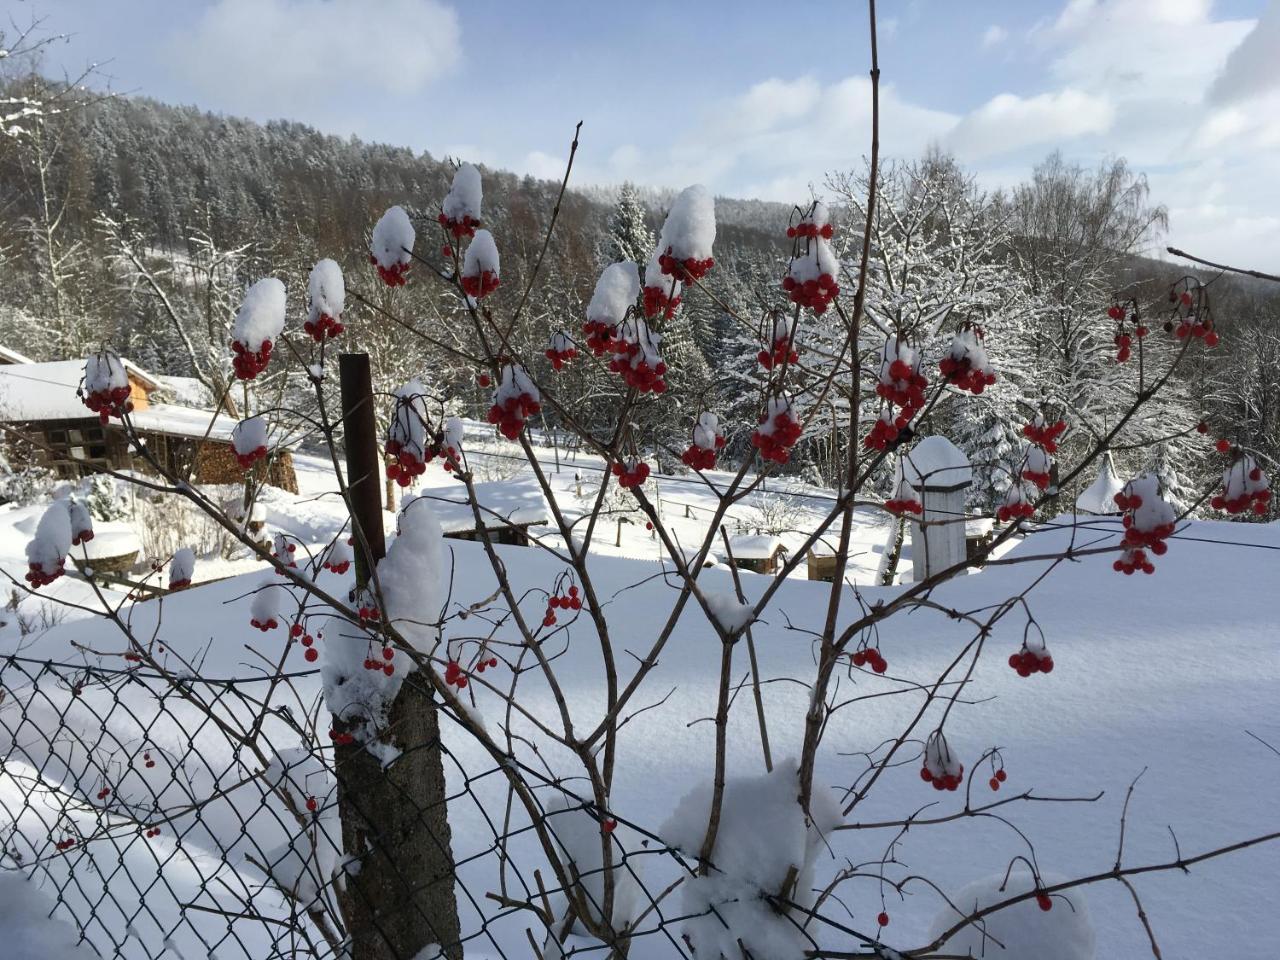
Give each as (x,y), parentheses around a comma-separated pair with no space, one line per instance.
(655,278)
(112,538)
(261,315)
(249,435)
(936,463)
(729,612)
(392,240)
(516,501)
(1022,931)
(412,576)
(759,546)
(482,255)
(327,289)
(104,372)
(464,197)
(52,541)
(706,431)
(616,292)
(690,227)
(183,565)
(42,391)
(189,422)
(28,931)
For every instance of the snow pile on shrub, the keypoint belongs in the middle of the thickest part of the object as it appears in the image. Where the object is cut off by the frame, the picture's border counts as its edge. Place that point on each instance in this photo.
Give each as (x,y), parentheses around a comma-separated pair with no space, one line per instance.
(249,441)
(966,364)
(81,522)
(515,400)
(1022,931)
(1148,521)
(328,293)
(47,551)
(407,441)
(268,606)
(106,386)
(763,835)
(460,212)
(412,576)
(391,245)
(732,615)
(1244,485)
(480,266)
(811,276)
(616,292)
(684,247)
(181,568)
(258,322)
(637,358)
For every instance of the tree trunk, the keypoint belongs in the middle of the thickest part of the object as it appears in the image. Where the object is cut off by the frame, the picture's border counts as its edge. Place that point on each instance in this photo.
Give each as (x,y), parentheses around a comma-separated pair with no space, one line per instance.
(399,897)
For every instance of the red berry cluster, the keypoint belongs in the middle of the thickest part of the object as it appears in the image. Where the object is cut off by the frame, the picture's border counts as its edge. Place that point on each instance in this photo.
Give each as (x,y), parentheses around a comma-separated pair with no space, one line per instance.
(571,601)
(341,739)
(1244,487)
(485,664)
(1142,532)
(684,270)
(1028,661)
(264,625)
(394,275)
(561,351)
(309,651)
(902,385)
(782,352)
(384,665)
(312,804)
(284,551)
(466,227)
(776,435)
(249,363)
(815,293)
(146,759)
(637,373)
(870,657)
(455,676)
(658,300)
(65,844)
(1016,506)
(809,229)
(945,781)
(403,463)
(367,609)
(323,327)
(884,431)
(961,373)
(599,336)
(631,474)
(1037,467)
(1044,434)
(247,460)
(104,793)
(480,285)
(903,504)
(152,832)
(109,403)
(38,576)
(998,778)
(702,458)
(510,415)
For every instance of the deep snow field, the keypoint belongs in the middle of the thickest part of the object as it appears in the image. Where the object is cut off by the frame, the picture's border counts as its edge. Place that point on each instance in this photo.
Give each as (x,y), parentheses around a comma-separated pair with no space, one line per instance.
(1168,673)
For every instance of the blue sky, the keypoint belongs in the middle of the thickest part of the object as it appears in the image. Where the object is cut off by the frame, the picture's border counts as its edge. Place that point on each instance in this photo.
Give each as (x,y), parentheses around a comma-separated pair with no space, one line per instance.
(752,98)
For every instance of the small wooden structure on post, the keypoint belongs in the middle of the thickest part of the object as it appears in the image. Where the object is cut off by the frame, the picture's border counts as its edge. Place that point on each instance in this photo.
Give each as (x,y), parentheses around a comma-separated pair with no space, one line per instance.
(758,553)
(939,473)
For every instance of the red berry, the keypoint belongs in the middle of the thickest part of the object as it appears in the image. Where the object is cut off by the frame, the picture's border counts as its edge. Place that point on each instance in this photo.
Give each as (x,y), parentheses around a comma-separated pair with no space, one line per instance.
(883,919)
(311,804)
(1223,445)
(1043,900)
(1001,775)
(608,825)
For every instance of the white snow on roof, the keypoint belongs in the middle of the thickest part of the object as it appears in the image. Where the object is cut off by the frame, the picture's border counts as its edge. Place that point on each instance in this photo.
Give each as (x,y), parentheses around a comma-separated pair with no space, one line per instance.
(47,391)
(183,421)
(518,501)
(756,546)
(1099,497)
(13,356)
(936,462)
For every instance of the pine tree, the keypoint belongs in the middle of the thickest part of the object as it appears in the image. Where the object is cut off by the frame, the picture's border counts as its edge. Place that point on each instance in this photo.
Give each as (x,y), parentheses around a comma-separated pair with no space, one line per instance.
(629,235)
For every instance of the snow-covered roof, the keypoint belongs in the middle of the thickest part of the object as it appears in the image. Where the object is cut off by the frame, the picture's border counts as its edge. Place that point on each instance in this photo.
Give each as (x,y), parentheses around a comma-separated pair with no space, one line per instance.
(754,546)
(13,356)
(935,463)
(47,391)
(518,502)
(183,421)
(1099,496)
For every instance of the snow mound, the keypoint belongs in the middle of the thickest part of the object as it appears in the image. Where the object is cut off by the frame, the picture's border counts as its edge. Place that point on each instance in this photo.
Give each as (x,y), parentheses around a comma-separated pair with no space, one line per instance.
(261,315)
(464,197)
(616,291)
(29,932)
(392,239)
(936,462)
(1100,496)
(1022,931)
(328,290)
(690,227)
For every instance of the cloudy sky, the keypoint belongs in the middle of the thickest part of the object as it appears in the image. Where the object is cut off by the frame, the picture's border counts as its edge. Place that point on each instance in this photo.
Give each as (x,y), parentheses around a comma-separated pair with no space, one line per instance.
(753,98)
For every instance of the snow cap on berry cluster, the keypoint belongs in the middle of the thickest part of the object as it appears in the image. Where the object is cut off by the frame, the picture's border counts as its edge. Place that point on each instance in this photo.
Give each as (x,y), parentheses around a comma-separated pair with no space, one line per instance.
(1153,512)
(327,289)
(636,333)
(560,342)
(412,576)
(81,522)
(182,567)
(392,239)
(690,227)
(249,436)
(616,291)
(268,605)
(707,430)
(465,194)
(775,406)
(48,549)
(666,288)
(104,372)
(453,433)
(408,429)
(1244,484)
(938,758)
(261,315)
(514,383)
(482,256)
(814,264)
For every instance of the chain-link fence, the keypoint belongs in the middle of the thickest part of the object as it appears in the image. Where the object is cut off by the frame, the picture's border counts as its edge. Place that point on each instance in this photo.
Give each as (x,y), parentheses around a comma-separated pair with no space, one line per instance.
(182,816)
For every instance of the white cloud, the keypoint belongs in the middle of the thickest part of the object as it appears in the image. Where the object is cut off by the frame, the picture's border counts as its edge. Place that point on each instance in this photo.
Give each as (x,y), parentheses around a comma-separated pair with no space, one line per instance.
(282,56)
(994,35)
(1007,122)
(1254,66)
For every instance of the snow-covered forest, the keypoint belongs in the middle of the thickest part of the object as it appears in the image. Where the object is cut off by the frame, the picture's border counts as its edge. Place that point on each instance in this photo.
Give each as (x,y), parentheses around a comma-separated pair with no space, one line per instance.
(410,560)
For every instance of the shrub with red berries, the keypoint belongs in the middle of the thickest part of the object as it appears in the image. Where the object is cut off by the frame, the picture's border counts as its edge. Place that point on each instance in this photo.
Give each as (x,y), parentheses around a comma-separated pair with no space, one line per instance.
(1045,434)
(778,430)
(391,246)
(782,349)
(561,350)
(1148,522)
(408,446)
(884,431)
(105,388)
(514,401)
(870,657)
(684,246)
(460,211)
(631,474)
(249,441)
(328,297)
(900,382)
(707,443)
(1244,487)
(338,557)
(480,266)
(661,294)
(636,357)
(942,768)
(47,550)
(1017,505)
(259,322)
(966,365)
(1037,466)
(616,292)
(810,280)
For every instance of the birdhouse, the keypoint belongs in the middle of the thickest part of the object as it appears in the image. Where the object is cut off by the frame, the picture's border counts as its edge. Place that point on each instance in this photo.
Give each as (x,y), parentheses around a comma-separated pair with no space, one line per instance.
(939,474)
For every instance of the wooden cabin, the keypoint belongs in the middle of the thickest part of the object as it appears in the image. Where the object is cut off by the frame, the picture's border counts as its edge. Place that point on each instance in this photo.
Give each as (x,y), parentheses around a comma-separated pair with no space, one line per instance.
(758,553)
(48,426)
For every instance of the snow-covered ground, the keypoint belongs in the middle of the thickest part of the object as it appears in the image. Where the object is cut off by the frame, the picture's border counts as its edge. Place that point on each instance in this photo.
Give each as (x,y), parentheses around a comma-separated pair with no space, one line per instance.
(1169,674)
